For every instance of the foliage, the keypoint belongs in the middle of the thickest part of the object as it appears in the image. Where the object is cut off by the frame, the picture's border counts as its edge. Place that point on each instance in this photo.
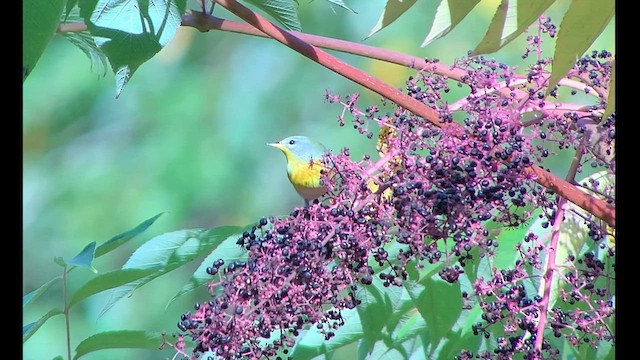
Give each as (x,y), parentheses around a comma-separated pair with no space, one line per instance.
(429,251)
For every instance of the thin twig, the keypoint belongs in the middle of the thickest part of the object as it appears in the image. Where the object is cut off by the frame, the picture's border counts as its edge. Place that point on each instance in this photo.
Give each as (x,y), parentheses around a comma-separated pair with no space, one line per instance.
(303,43)
(65,295)
(553,251)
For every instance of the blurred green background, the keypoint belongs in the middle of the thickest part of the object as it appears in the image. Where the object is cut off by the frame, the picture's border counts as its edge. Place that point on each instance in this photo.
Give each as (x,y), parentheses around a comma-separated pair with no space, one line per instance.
(187,137)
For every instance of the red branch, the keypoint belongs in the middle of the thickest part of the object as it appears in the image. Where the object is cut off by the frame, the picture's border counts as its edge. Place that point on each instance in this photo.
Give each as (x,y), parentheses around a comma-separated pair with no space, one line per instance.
(595,206)
(332,63)
(304,44)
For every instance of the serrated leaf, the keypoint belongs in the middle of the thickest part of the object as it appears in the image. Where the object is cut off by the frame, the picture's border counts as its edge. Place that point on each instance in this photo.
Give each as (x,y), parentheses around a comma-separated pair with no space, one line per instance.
(228,251)
(399,302)
(374,311)
(312,343)
(130,32)
(440,305)
(120,239)
(461,334)
(108,281)
(121,339)
(457,341)
(85,257)
(576,35)
(611,98)
(69,9)
(528,13)
(512,17)
(31,328)
(492,38)
(381,307)
(30,297)
(449,14)
(392,11)
(83,39)
(167,252)
(409,327)
(342,4)
(505,255)
(604,351)
(39,22)
(383,352)
(283,11)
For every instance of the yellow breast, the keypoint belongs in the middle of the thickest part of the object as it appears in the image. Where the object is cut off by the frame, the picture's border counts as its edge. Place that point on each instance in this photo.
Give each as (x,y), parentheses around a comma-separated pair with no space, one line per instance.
(306,178)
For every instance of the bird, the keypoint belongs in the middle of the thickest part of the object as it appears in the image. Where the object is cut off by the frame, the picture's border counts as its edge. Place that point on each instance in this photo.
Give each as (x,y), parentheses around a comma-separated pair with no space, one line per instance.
(304,165)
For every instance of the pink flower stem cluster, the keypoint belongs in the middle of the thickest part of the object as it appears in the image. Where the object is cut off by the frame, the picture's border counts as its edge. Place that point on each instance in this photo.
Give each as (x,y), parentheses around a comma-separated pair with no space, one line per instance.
(435,193)
(444,173)
(415,106)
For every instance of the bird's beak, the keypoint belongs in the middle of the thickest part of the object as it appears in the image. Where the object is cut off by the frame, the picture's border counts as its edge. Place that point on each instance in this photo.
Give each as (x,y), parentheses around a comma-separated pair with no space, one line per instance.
(277,145)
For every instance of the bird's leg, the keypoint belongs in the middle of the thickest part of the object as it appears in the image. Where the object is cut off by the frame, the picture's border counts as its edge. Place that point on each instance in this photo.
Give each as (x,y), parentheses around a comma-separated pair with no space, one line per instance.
(203,5)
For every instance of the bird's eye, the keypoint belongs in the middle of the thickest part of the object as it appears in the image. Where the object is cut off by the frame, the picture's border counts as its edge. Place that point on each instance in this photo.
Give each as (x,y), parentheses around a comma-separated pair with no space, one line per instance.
(291,142)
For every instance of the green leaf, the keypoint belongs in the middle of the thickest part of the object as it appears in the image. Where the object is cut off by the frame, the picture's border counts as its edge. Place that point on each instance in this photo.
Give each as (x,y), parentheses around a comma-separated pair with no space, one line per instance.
(83,39)
(107,281)
(312,343)
(383,352)
(449,14)
(492,38)
(576,35)
(386,313)
(611,98)
(510,20)
(71,5)
(167,252)
(39,22)
(60,261)
(460,340)
(398,303)
(440,304)
(392,11)
(505,254)
(374,311)
(30,297)
(31,328)
(461,334)
(59,357)
(85,257)
(381,308)
(121,339)
(341,4)
(130,32)
(284,11)
(604,351)
(120,239)
(228,251)
(409,327)
(528,13)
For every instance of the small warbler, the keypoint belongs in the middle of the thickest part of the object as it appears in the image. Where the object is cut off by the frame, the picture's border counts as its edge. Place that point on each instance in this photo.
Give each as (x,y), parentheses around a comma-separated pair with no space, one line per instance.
(304,164)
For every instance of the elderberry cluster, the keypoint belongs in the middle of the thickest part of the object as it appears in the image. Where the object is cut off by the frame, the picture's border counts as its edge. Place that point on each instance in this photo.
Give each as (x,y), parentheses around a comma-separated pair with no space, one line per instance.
(430,193)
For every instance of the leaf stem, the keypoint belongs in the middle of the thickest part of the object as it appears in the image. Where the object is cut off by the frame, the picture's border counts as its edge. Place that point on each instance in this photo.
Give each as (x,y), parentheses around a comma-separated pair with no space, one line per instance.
(65,298)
